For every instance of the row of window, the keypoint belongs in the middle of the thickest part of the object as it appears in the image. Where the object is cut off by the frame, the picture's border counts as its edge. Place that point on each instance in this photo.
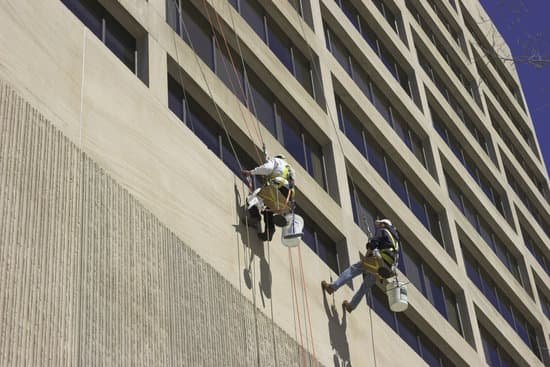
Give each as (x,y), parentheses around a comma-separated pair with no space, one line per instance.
(495,354)
(468,163)
(483,142)
(456,34)
(408,331)
(280,44)
(485,231)
(492,56)
(410,263)
(118,39)
(374,94)
(545,303)
(254,94)
(523,130)
(518,189)
(374,42)
(468,83)
(540,183)
(384,165)
(303,8)
(209,131)
(534,247)
(410,196)
(393,20)
(480,277)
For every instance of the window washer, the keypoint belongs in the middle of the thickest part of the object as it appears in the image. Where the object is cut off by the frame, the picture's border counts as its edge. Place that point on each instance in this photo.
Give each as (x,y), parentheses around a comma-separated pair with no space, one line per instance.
(277,192)
(380,261)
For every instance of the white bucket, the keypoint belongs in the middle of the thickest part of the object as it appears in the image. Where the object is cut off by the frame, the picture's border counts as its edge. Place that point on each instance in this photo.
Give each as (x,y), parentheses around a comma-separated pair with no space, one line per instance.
(292,233)
(397,296)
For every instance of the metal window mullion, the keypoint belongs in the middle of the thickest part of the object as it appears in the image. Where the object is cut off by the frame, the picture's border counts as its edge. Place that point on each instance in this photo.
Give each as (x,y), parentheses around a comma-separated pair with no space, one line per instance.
(103,29)
(325,172)
(220,146)
(304,150)
(293,61)
(316,241)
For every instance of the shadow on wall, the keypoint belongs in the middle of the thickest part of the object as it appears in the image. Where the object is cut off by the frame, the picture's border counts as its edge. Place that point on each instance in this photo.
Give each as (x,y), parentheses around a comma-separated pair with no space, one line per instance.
(253,248)
(337,333)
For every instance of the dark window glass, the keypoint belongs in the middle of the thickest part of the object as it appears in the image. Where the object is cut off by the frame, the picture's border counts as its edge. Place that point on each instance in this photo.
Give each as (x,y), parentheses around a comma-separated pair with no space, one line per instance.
(436,295)
(204,127)
(302,71)
(280,45)
(327,251)
(413,269)
(199,32)
(430,353)
(352,129)
(120,42)
(292,138)
(408,332)
(89,12)
(489,290)
(264,102)
(381,103)
(175,98)
(397,181)
(252,12)
(339,52)
(314,159)
(376,157)
(362,81)
(491,351)
(417,206)
(380,306)
(231,74)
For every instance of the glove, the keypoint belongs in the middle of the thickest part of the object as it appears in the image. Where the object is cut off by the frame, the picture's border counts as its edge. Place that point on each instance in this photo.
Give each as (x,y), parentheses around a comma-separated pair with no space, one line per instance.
(245,172)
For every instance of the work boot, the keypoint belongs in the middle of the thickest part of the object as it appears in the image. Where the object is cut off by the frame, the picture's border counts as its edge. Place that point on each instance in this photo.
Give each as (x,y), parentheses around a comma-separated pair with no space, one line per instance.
(347,306)
(327,287)
(265,237)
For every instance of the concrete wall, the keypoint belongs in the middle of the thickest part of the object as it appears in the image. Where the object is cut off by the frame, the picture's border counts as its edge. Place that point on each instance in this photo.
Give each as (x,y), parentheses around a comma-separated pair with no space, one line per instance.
(89,276)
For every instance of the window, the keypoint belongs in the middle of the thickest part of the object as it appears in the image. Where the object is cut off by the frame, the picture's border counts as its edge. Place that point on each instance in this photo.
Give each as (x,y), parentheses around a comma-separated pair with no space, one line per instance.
(408,331)
(495,355)
(391,173)
(535,249)
(391,18)
(456,106)
(501,302)
(113,34)
(206,128)
(280,44)
(470,166)
(484,230)
(545,303)
(319,242)
(377,46)
(267,108)
(303,8)
(518,189)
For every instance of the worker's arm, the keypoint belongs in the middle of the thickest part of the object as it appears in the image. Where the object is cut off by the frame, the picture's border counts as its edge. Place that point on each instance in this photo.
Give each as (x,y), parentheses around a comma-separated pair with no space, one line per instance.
(263,170)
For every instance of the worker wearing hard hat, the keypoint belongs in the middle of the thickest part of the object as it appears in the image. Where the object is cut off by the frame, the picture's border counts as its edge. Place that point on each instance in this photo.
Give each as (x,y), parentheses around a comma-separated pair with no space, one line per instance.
(380,261)
(280,175)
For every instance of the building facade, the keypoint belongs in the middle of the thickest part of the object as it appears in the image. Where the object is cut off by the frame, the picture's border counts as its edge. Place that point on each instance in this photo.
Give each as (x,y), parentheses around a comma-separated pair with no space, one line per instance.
(124,128)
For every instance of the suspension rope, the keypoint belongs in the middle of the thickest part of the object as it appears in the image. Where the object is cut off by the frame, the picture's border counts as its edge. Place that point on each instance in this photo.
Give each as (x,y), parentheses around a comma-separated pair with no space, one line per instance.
(307,306)
(218,112)
(235,72)
(295,305)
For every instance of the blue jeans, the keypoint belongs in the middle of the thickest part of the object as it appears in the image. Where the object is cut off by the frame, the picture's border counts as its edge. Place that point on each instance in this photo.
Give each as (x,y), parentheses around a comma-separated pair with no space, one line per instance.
(356,269)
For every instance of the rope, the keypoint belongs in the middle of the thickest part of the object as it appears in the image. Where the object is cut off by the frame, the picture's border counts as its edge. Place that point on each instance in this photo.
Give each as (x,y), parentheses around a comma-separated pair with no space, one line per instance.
(235,72)
(211,95)
(295,303)
(307,306)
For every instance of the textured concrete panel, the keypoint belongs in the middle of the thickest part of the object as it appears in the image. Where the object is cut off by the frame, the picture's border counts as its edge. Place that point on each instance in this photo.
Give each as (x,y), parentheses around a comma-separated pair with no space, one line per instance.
(88,276)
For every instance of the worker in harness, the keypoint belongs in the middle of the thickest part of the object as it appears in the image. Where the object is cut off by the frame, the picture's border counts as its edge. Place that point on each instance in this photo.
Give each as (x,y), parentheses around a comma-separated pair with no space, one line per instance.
(379,261)
(277,192)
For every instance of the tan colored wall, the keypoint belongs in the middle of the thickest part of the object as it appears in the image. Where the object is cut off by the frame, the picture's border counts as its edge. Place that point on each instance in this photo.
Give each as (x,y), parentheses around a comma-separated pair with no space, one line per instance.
(89,276)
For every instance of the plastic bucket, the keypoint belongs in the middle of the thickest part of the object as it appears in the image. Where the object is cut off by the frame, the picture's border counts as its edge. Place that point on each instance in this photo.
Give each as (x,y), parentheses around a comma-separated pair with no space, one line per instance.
(397,296)
(292,232)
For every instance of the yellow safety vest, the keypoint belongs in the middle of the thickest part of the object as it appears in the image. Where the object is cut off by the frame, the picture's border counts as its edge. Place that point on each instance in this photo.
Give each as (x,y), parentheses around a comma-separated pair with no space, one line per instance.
(389,254)
(282,179)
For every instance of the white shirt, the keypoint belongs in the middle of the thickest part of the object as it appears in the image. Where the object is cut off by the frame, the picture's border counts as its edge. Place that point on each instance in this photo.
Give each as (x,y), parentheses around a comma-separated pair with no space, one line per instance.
(273,166)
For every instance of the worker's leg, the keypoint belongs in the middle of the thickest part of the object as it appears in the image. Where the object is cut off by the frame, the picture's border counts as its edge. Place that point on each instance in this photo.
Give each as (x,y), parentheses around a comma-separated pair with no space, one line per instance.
(347,275)
(269,230)
(368,281)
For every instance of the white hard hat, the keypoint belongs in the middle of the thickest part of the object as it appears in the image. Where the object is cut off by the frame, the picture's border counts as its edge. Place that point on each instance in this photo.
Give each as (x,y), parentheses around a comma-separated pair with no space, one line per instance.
(387,222)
